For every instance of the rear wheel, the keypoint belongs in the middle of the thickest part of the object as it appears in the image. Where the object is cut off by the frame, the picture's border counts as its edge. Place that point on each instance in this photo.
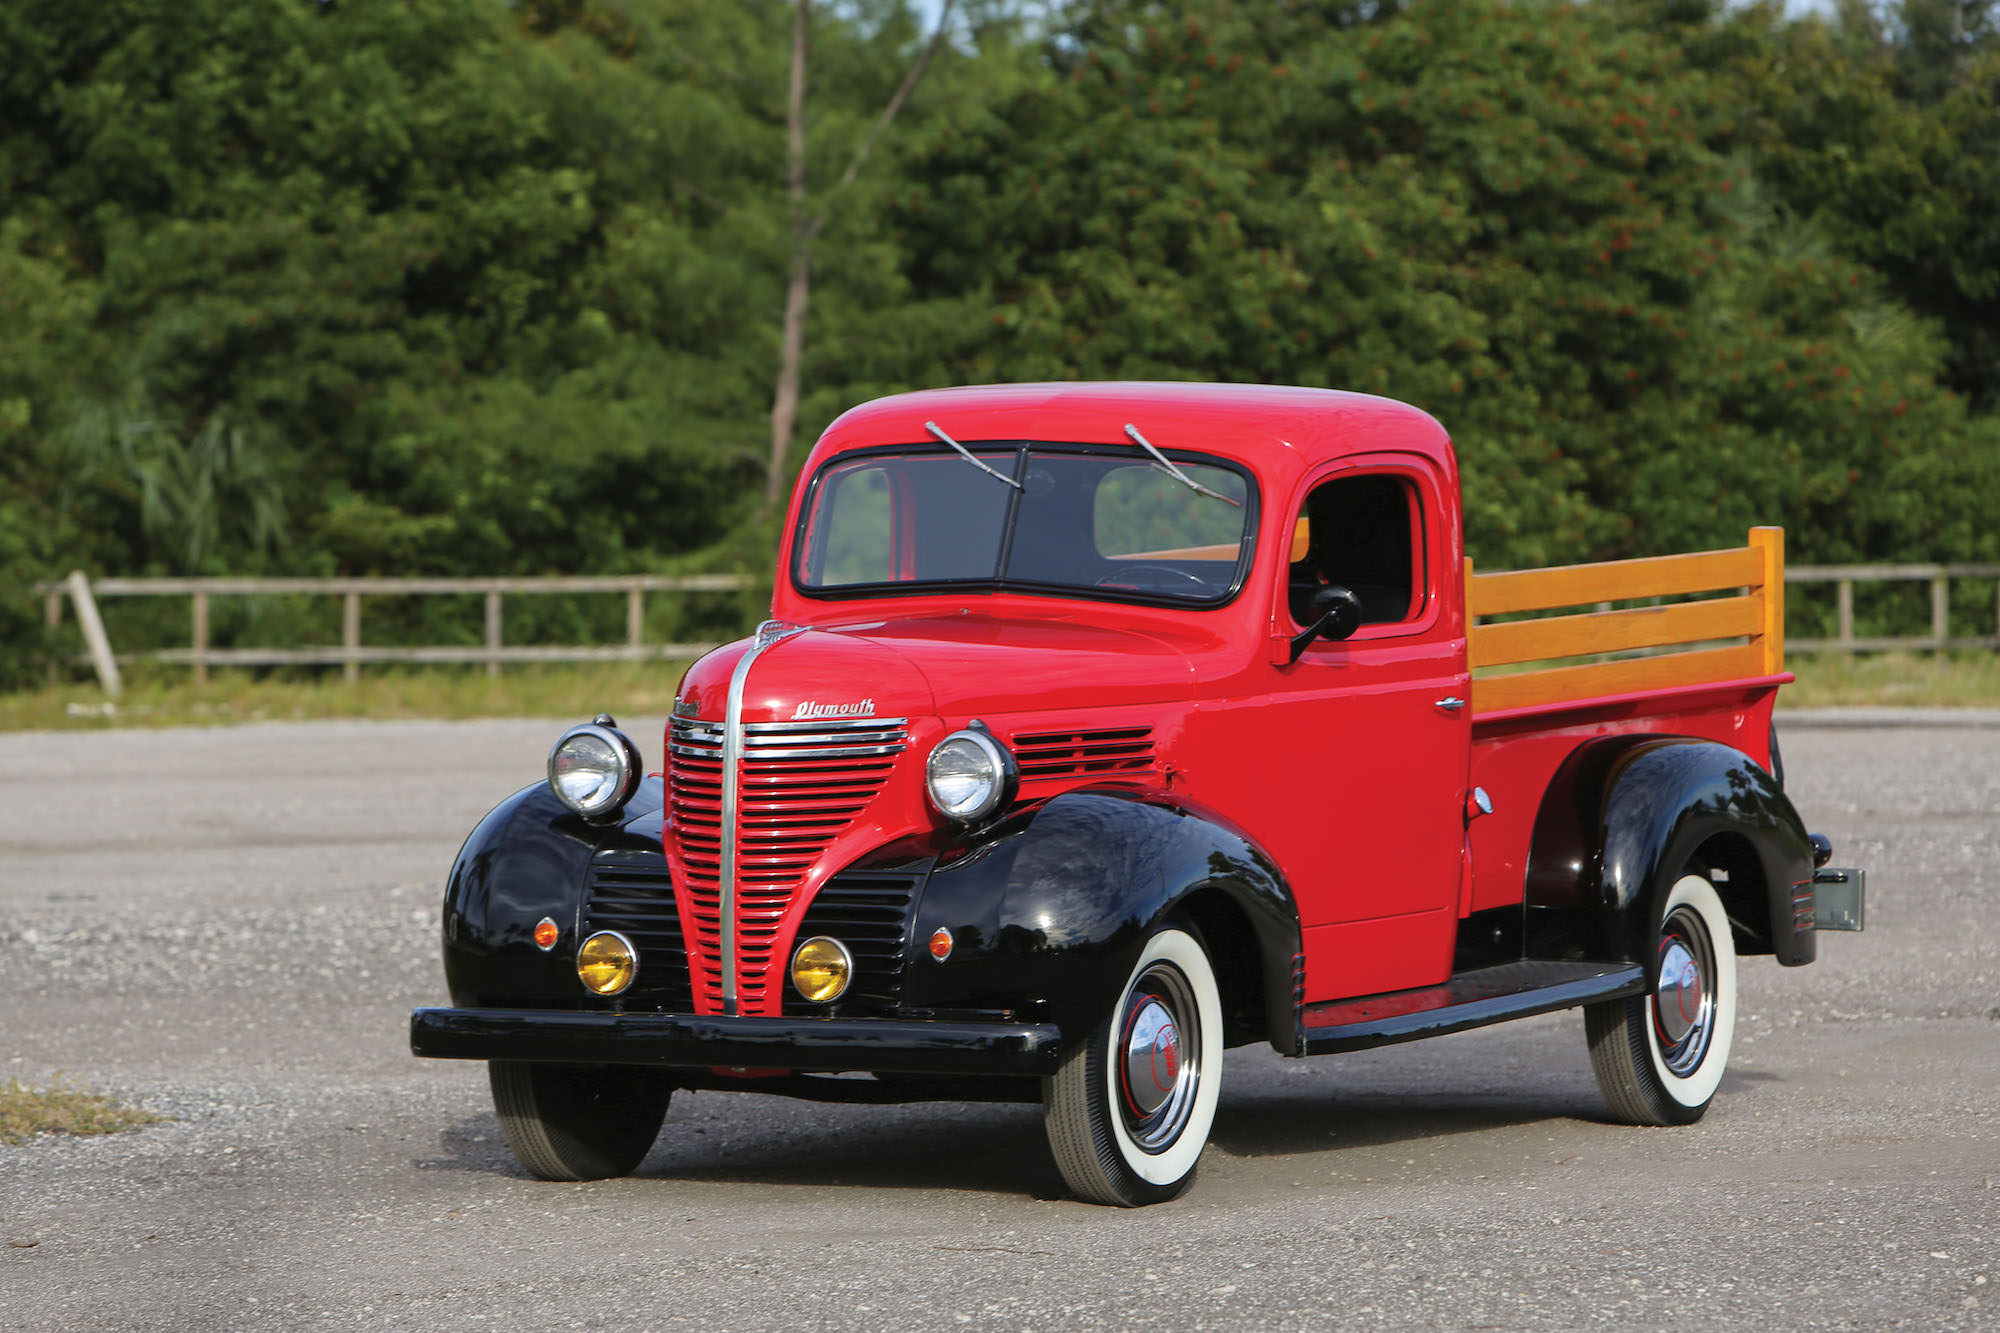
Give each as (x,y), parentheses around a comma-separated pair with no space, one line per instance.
(1660,1057)
(1128,1114)
(578,1122)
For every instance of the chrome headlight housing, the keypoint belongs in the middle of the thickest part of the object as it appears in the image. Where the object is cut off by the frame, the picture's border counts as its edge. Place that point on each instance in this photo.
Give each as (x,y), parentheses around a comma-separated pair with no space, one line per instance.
(970,775)
(594,768)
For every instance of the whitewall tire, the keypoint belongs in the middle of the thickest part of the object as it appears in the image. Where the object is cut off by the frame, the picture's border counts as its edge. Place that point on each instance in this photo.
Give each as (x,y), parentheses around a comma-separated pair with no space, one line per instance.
(1660,1057)
(1129,1112)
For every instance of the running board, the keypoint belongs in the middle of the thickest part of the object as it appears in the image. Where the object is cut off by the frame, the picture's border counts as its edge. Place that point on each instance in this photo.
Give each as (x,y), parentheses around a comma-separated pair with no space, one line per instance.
(1468,1000)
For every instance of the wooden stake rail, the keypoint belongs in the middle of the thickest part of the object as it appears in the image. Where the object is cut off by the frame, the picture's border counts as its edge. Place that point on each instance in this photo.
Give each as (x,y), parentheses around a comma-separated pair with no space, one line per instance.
(1755,616)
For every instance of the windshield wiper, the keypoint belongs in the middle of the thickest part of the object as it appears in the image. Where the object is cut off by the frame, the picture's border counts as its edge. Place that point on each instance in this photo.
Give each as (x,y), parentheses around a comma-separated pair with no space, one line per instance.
(932,427)
(1160,461)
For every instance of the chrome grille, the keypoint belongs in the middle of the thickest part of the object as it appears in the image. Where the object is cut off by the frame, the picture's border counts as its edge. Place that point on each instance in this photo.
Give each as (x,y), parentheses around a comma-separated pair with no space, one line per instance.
(801,784)
(1063,754)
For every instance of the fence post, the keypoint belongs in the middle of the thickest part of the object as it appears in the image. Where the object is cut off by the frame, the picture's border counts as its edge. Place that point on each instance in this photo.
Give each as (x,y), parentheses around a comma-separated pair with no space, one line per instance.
(493,633)
(52,618)
(93,634)
(199,637)
(350,636)
(1844,602)
(1941,610)
(635,617)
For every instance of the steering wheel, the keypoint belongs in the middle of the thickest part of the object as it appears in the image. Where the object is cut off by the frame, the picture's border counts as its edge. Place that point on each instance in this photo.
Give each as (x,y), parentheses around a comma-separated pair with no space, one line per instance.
(1154,578)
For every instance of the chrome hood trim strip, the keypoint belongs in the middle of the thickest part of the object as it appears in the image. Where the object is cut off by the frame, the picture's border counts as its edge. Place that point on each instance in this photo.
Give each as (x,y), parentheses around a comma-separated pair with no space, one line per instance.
(769,635)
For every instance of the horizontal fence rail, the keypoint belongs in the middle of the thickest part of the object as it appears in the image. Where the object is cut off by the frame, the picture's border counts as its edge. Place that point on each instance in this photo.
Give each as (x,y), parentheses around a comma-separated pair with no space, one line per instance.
(1844,577)
(351,653)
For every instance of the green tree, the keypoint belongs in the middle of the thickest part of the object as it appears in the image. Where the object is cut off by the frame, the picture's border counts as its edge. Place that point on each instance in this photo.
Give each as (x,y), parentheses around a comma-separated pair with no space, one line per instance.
(321,239)
(1522,217)
(1884,137)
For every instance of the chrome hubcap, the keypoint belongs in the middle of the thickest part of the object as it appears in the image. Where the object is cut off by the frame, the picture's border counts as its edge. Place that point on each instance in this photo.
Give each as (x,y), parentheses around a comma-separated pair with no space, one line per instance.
(1159,1058)
(1152,1055)
(1684,1001)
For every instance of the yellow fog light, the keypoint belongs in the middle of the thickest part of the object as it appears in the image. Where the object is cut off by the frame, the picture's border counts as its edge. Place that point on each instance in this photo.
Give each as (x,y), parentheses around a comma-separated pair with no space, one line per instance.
(607,962)
(821,969)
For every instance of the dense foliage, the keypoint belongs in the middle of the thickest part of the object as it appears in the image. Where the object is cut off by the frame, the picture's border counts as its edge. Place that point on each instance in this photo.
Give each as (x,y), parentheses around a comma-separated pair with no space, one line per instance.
(455,286)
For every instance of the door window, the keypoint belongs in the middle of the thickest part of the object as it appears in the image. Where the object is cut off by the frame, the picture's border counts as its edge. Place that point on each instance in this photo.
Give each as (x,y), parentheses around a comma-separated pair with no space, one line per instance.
(1363,534)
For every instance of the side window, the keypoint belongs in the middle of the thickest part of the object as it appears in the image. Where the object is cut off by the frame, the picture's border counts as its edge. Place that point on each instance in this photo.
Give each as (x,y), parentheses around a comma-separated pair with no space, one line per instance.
(1361,533)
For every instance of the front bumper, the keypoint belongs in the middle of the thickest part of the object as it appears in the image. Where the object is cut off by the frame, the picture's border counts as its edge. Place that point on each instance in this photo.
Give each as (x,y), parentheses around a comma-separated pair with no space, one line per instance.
(701,1041)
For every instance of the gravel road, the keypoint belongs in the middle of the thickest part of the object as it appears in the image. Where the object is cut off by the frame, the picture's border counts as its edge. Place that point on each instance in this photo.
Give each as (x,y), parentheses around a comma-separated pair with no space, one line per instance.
(229,927)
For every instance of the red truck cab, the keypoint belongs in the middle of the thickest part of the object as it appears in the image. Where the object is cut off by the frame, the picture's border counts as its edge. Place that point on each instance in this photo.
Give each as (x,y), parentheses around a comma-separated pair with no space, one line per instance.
(1099,727)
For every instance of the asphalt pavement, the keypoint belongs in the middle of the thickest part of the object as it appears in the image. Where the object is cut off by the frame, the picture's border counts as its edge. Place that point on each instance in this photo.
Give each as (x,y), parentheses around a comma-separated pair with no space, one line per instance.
(229,927)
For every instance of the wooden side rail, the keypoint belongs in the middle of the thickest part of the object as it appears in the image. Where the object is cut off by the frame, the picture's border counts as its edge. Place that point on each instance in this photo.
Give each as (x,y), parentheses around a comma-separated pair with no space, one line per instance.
(1756,615)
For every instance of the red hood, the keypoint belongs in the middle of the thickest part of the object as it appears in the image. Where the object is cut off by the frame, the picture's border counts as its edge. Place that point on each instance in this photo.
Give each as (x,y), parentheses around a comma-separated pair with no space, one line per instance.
(955,666)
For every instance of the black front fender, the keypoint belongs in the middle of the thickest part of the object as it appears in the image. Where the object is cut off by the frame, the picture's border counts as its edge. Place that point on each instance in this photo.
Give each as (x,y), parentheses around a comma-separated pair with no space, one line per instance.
(529,859)
(1049,914)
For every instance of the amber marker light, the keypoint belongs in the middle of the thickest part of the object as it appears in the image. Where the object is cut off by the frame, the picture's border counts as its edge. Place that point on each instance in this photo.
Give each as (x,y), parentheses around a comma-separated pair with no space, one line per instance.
(546,934)
(940,944)
(821,969)
(607,962)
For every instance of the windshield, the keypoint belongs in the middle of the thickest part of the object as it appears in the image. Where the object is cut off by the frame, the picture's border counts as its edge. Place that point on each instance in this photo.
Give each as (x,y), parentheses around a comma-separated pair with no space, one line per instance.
(1099,521)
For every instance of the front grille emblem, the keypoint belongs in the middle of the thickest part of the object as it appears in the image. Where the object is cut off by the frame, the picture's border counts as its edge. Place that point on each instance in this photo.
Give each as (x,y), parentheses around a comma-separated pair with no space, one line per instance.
(812,708)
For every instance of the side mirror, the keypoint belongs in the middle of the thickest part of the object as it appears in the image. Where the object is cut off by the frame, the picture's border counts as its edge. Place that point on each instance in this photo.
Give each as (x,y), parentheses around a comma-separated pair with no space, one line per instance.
(1336,614)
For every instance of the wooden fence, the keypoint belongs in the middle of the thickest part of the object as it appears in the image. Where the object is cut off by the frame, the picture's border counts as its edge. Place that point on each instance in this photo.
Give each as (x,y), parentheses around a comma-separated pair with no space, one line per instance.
(351,653)
(1844,577)
(83,595)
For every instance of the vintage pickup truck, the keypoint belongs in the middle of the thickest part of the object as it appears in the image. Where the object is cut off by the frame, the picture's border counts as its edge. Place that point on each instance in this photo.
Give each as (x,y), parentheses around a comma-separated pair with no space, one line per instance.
(1100,727)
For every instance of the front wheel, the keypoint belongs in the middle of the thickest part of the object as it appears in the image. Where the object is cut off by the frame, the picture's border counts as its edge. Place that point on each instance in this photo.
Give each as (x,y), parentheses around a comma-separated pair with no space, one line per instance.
(1129,1111)
(578,1122)
(1659,1058)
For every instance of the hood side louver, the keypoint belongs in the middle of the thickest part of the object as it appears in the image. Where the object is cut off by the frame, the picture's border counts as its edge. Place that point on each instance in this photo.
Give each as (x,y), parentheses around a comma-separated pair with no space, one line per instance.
(1084,753)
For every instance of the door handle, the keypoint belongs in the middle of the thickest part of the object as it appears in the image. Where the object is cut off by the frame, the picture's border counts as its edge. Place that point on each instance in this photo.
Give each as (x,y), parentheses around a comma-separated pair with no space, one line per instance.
(1451,703)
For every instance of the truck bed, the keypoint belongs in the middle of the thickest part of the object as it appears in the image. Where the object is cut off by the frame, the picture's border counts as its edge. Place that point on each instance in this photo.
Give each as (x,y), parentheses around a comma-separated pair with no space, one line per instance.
(1683,645)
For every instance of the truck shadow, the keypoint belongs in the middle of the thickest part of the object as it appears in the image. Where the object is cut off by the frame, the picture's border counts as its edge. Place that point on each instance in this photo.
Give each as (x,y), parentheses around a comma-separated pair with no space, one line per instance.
(731,1138)
(1266,1125)
(939,1145)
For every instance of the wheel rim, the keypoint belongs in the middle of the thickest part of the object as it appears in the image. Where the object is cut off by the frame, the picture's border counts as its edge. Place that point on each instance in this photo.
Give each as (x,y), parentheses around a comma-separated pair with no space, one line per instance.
(1158,1058)
(1684,1001)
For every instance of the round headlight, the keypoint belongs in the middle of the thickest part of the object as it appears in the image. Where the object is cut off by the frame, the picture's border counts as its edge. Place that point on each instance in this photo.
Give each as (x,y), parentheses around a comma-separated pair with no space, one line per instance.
(969,775)
(821,969)
(594,769)
(607,962)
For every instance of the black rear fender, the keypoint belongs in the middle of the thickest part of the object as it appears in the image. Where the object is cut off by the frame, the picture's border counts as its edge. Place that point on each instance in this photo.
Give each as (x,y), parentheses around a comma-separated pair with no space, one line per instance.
(1625,816)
